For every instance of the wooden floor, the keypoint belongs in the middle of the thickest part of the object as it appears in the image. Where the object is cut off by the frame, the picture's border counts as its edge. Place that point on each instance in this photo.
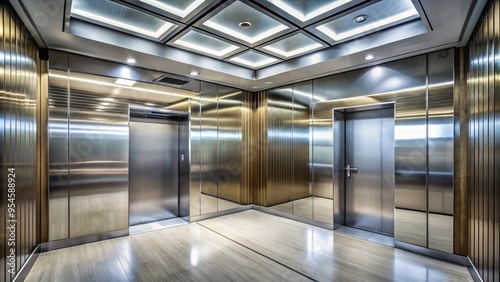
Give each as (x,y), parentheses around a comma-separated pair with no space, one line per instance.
(247,246)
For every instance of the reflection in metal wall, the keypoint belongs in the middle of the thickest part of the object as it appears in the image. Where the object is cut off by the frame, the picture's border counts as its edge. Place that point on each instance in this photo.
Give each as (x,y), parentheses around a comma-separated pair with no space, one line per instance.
(58,164)
(280,146)
(402,82)
(208,141)
(440,146)
(98,165)
(194,191)
(229,143)
(484,144)
(19,99)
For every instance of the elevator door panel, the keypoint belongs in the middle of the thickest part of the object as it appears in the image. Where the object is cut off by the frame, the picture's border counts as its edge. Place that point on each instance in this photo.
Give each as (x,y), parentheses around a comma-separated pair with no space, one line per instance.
(369,190)
(154,171)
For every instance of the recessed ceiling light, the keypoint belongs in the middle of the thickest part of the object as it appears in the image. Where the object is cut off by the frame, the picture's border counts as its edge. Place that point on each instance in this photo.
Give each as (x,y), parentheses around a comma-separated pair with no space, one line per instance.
(245,24)
(268,82)
(360,18)
(255,87)
(369,57)
(194,73)
(126,82)
(131,61)
(150,104)
(108,99)
(367,27)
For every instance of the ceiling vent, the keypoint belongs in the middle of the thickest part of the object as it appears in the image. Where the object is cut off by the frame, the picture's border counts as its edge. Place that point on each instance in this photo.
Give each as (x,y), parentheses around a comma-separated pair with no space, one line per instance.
(172,80)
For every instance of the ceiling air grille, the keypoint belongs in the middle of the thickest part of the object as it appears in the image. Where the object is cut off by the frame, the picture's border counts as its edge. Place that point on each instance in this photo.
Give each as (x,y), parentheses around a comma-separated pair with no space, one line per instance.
(172,80)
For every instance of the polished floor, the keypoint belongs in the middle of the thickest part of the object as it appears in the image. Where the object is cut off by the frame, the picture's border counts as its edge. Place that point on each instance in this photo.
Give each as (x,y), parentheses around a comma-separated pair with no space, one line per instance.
(246,246)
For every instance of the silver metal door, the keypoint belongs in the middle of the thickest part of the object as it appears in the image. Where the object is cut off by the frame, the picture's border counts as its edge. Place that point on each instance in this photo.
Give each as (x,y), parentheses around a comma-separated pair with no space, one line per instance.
(369,170)
(154,171)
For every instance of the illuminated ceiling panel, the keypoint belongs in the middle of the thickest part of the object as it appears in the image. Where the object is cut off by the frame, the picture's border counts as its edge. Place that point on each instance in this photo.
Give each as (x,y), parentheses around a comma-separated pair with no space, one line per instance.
(244,23)
(293,45)
(253,59)
(123,18)
(205,43)
(369,19)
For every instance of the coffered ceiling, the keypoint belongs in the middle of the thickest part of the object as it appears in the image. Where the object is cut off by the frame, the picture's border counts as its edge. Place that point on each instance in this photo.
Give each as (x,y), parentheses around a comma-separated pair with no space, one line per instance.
(250,44)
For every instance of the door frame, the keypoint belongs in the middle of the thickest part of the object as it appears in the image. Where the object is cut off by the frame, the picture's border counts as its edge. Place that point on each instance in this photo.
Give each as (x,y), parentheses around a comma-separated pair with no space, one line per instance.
(338,175)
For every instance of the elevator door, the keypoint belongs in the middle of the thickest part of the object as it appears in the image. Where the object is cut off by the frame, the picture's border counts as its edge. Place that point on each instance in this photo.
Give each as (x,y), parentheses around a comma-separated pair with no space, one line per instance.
(153,170)
(369,190)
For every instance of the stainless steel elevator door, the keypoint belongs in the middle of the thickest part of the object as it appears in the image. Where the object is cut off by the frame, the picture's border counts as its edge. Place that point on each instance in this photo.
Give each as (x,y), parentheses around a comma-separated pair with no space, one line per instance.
(369,145)
(154,171)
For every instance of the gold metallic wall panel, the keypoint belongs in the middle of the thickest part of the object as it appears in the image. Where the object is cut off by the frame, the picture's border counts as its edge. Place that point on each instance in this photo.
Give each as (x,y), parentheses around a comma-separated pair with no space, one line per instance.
(280,146)
(19,99)
(484,136)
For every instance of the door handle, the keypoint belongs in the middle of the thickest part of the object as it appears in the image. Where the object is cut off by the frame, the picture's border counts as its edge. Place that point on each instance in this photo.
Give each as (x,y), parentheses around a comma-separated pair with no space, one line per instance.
(348,169)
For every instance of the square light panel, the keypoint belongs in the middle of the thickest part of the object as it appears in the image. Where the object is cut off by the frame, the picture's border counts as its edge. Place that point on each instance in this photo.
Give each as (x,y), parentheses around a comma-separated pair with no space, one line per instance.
(380,15)
(253,59)
(292,46)
(307,10)
(180,8)
(120,17)
(245,23)
(206,44)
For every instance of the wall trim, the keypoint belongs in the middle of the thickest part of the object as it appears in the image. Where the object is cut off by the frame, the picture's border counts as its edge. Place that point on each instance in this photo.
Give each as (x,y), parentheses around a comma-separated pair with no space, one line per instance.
(28,265)
(80,240)
(473,271)
(456,259)
(293,217)
(217,214)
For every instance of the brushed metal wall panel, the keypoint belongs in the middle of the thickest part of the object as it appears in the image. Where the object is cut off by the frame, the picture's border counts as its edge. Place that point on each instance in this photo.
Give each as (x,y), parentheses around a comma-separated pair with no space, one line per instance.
(195,192)
(388,177)
(338,165)
(208,139)
(322,149)
(184,160)
(19,96)
(280,176)
(229,138)
(440,132)
(58,165)
(98,157)
(153,170)
(301,132)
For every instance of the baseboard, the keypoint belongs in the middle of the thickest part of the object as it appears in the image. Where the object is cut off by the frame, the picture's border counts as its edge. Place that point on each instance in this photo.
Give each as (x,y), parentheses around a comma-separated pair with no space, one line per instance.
(473,271)
(80,240)
(456,259)
(219,213)
(28,265)
(293,217)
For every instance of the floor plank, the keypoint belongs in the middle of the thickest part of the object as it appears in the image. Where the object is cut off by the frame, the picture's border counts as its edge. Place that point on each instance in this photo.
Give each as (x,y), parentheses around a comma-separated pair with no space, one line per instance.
(325,255)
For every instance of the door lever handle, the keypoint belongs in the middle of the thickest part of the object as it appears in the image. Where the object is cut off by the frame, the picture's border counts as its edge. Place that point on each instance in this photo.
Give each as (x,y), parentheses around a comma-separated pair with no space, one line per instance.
(348,169)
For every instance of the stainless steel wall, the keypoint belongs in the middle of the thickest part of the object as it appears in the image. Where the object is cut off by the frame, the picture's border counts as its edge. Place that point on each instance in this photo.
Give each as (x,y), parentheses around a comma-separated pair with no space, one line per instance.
(484,147)
(20,95)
